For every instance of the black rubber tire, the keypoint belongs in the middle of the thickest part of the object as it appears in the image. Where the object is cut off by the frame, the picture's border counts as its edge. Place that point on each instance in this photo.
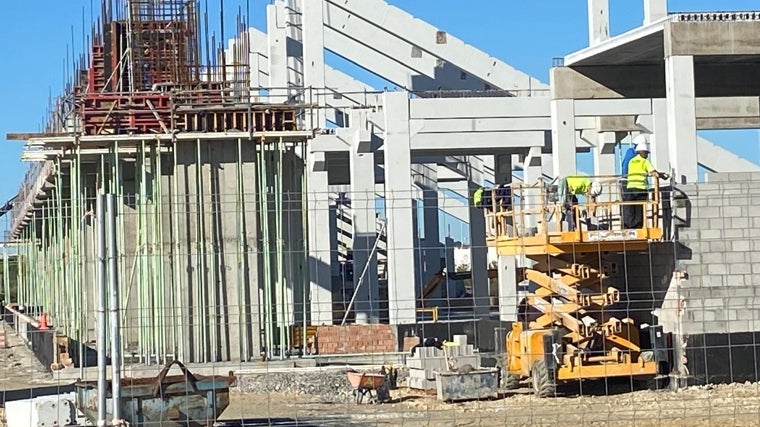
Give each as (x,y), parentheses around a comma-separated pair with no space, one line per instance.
(544,384)
(511,382)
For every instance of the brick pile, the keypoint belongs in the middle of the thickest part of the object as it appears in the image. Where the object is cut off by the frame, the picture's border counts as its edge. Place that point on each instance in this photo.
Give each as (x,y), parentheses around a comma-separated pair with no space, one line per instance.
(352,339)
(3,338)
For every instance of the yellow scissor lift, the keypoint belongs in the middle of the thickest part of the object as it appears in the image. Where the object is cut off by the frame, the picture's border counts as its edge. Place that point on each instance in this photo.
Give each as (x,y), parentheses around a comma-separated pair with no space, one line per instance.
(573,338)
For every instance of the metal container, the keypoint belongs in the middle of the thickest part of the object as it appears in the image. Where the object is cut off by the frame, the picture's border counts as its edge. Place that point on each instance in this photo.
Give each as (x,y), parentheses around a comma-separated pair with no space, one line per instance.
(478,384)
(178,400)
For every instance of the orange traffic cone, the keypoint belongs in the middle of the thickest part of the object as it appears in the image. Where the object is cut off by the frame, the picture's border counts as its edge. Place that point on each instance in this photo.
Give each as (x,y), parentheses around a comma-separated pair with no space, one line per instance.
(43,321)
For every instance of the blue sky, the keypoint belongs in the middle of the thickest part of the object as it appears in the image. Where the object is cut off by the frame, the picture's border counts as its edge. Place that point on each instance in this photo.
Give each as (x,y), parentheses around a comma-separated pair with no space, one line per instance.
(527,35)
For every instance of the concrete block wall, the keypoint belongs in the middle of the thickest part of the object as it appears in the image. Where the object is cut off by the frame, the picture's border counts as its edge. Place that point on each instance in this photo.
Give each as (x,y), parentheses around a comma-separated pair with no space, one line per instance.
(719,251)
(355,339)
(643,279)
(718,246)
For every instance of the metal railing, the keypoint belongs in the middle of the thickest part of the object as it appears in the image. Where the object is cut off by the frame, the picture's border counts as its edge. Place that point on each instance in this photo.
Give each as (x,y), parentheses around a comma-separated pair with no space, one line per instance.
(542,209)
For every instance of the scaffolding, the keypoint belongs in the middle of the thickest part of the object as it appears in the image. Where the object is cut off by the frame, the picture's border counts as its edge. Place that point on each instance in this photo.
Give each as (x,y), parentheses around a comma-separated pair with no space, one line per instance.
(212,232)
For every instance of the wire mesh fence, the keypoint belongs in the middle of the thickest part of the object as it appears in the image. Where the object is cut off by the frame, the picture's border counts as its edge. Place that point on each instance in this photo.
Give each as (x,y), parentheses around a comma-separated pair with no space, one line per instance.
(237,280)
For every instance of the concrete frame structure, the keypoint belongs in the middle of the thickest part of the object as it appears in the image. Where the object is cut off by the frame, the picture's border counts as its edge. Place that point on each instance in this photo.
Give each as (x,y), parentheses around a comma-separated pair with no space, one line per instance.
(538,134)
(463,119)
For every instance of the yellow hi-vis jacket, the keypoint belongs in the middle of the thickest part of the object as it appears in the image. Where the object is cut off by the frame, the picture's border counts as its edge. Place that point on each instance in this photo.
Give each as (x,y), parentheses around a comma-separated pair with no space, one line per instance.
(578,185)
(639,169)
(477,198)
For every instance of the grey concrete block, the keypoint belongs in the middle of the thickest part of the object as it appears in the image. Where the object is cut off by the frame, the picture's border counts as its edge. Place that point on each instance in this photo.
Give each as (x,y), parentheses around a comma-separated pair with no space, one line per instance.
(741,222)
(735,280)
(746,314)
(731,211)
(754,176)
(755,245)
(735,233)
(735,257)
(740,245)
(707,212)
(711,234)
(718,246)
(715,177)
(739,326)
(738,177)
(741,268)
(715,269)
(714,303)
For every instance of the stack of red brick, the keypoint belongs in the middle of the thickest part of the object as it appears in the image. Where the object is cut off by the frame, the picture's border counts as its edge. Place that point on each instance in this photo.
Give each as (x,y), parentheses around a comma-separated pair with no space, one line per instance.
(3,338)
(352,339)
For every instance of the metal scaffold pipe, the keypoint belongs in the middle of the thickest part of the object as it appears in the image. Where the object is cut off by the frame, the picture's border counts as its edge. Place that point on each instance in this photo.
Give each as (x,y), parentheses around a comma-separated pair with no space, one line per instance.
(114,306)
(101,319)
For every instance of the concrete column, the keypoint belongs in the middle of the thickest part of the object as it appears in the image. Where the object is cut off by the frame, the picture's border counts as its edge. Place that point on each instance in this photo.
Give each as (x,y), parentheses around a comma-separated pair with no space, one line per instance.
(367,303)
(398,208)
(503,168)
(478,248)
(508,297)
(563,137)
(604,154)
(314,58)
(659,137)
(655,10)
(598,21)
(431,251)
(320,250)
(278,52)
(682,129)
(532,173)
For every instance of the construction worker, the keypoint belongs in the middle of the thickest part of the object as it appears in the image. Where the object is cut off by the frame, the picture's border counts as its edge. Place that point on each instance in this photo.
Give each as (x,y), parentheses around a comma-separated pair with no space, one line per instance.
(575,186)
(639,169)
(477,198)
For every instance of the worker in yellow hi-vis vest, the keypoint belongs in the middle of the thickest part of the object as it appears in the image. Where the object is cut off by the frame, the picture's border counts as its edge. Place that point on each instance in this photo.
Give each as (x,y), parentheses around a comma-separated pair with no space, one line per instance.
(573,187)
(637,185)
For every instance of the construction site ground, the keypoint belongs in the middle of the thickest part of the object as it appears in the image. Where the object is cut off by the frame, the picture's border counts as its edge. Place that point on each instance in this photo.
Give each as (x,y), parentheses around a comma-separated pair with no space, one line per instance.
(722,405)
(321,398)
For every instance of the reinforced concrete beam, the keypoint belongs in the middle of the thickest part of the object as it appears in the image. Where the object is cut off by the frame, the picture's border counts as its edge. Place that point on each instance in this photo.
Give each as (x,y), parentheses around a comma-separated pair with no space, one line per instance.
(704,38)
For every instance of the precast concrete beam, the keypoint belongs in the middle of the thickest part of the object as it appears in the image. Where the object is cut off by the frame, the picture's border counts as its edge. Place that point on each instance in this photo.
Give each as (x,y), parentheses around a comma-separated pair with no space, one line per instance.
(704,38)
(320,243)
(422,39)
(313,47)
(563,137)
(478,248)
(604,154)
(398,207)
(655,10)
(364,223)
(598,21)
(681,108)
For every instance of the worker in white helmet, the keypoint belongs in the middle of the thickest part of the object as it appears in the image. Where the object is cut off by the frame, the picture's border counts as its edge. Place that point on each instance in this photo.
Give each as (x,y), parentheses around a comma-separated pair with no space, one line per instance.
(639,169)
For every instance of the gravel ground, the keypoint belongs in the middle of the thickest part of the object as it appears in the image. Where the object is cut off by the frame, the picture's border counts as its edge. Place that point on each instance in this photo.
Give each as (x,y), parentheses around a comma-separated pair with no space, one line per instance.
(317,400)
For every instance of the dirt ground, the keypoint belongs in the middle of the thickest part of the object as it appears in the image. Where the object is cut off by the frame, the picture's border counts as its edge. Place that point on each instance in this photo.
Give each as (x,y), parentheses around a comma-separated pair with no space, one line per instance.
(19,369)
(720,405)
(723,405)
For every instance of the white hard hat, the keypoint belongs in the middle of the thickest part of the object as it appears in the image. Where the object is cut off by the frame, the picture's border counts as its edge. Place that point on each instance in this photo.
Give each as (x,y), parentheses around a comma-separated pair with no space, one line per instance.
(596,189)
(641,142)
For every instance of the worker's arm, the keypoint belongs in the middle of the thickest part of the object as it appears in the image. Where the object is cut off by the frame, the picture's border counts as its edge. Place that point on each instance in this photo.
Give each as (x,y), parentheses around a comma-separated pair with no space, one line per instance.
(653,172)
